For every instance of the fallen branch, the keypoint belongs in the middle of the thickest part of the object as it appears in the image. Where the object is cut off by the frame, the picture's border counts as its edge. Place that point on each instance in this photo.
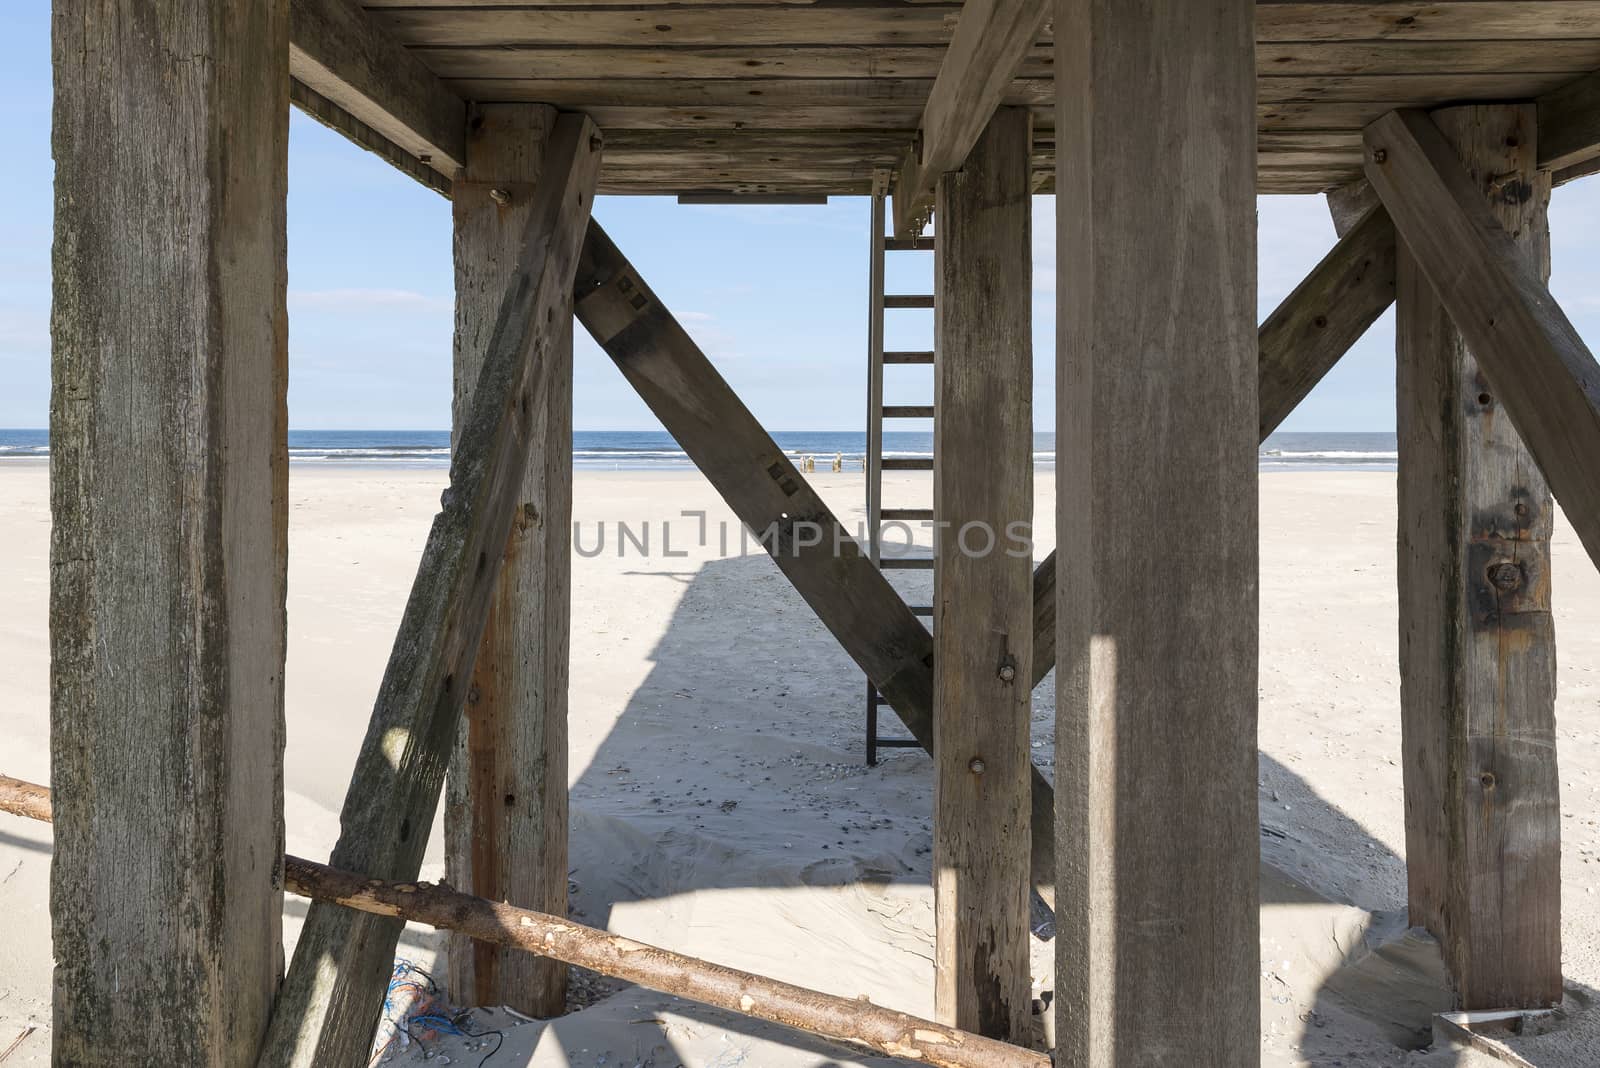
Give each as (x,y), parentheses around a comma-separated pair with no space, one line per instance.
(24,799)
(883,1030)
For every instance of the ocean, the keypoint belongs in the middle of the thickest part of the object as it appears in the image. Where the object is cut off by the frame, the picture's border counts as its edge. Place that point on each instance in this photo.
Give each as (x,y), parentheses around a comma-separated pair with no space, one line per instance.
(647,450)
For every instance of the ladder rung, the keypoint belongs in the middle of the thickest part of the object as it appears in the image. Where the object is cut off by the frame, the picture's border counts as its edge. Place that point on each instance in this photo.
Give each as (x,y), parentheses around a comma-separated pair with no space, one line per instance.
(908,244)
(896,463)
(909,515)
(908,357)
(908,411)
(906,563)
(908,300)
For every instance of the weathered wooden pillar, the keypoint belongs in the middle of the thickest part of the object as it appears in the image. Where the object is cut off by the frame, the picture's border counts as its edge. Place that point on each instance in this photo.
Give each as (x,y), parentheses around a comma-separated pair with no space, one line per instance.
(1477,643)
(1157,852)
(169,547)
(506,802)
(983,615)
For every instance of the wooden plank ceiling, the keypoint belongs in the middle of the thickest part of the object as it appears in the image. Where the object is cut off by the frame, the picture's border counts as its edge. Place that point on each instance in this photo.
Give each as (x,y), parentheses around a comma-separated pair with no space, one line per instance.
(789,96)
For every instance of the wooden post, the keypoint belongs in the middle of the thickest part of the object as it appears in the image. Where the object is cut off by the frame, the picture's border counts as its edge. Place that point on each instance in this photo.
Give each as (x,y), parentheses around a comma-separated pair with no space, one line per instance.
(1158,859)
(759,482)
(1477,642)
(169,499)
(983,607)
(327,1011)
(506,801)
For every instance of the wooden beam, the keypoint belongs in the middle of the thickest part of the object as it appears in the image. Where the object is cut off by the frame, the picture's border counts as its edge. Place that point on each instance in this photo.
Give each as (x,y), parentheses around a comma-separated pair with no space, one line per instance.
(337,50)
(758,481)
(1351,202)
(169,479)
(1536,365)
(1477,640)
(1569,124)
(340,121)
(1462,20)
(983,617)
(506,800)
(1297,346)
(556,937)
(992,40)
(1156,823)
(328,1006)
(1326,314)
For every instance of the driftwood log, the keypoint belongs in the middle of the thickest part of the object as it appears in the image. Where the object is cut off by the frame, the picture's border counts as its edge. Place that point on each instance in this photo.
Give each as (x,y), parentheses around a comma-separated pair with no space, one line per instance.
(884,1031)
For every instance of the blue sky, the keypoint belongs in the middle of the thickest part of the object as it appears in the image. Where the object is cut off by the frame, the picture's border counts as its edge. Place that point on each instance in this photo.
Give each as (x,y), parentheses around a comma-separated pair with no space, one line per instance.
(776,295)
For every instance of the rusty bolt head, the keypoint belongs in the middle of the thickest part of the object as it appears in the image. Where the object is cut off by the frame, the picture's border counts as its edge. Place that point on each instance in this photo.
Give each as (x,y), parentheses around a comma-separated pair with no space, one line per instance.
(1380,155)
(1487,779)
(1007,673)
(500,197)
(976,765)
(1505,576)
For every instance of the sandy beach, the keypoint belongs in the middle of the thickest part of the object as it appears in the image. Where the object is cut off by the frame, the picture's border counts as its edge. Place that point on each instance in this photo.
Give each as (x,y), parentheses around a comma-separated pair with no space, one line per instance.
(720,805)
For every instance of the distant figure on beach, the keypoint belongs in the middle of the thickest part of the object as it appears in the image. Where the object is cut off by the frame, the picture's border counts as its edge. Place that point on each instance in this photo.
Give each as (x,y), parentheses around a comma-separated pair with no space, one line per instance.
(838,461)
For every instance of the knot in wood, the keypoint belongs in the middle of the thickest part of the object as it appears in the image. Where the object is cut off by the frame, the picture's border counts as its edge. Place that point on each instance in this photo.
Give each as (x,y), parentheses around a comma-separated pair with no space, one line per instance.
(1505,576)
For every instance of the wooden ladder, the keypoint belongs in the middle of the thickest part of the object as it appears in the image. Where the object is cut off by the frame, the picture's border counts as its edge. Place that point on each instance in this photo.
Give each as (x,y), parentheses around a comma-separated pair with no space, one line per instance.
(877,412)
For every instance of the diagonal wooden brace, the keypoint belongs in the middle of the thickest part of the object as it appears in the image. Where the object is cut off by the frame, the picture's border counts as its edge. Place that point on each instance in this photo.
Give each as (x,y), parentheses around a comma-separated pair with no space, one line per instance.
(328,1007)
(1537,366)
(1300,342)
(697,406)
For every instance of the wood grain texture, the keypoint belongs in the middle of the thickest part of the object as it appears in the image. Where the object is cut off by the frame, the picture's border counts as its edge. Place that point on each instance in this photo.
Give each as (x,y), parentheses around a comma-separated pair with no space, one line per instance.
(1351,203)
(983,605)
(1569,124)
(649,27)
(168,488)
(505,818)
(337,50)
(705,62)
(328,1007)
(758,481)
(1465,20)
(1156,829)
(1537,366)
(1477,640)
(992,41)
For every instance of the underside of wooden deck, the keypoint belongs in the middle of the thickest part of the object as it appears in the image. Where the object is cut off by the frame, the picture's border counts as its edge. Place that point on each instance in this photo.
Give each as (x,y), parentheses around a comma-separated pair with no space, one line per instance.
(810,98)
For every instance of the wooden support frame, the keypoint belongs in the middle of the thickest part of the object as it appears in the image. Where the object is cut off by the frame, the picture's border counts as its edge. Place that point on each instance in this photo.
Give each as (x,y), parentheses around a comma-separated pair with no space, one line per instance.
(850,596)
(1156,821)
(983,617)
(168,489)
(1535,362)
(991,41)
(328,1006)
(1477,638)
(1569,128)
(506,797)
(338,51)
(855,1020)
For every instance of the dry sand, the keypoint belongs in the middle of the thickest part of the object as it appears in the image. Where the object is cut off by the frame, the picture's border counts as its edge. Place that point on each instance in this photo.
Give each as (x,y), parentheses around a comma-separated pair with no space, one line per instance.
(720,806)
